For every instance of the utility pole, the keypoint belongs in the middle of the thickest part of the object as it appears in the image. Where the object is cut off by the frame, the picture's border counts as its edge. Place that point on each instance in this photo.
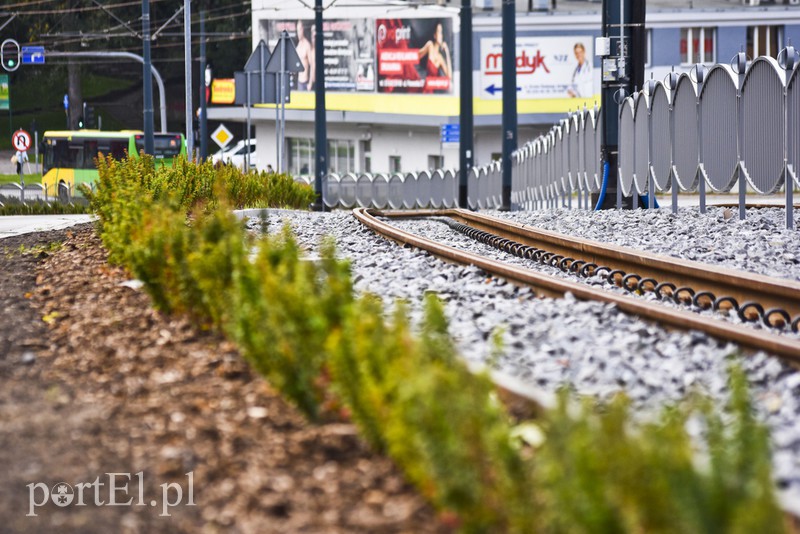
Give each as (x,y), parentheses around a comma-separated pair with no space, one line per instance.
(623,71)
(320,130)
(149,147)
(509,97)
(465,157)
(187,60)
(204,81)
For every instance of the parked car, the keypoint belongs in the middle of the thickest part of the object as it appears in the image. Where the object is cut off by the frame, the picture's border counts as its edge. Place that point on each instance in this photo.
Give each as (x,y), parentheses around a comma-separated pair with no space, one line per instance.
(236,155)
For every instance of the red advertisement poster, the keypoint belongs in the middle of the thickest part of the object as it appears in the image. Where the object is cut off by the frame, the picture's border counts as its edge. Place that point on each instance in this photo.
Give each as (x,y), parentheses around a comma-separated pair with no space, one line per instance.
(415,55)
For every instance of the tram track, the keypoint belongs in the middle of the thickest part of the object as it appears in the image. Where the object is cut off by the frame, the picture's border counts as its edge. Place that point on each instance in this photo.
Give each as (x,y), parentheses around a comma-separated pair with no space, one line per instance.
(750,294)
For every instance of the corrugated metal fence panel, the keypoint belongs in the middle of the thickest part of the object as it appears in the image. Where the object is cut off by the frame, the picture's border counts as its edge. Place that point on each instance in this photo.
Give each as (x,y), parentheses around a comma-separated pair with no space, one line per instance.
(410,191)
(661,155)
(424,189)
(626,146)
(686,142)
(380,191)
(762,147)
(437,188)
(472,187)
(641,129)
(396,191)
(347,190)
(794,124)
(450,188)
(364,190)
(575,158)
(332,190)
(598,139)
(718,116)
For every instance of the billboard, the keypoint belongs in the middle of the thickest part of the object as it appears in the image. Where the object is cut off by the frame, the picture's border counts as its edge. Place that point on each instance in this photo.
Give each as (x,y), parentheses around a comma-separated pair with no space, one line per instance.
(349,52)
(415,55)
(547,67)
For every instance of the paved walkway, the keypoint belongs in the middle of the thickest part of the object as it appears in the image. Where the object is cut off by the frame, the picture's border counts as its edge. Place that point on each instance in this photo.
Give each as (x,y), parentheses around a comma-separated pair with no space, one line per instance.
(11,225)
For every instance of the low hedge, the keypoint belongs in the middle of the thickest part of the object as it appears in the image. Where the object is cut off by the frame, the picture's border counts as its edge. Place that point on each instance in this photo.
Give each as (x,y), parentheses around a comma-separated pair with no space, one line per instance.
(336,355)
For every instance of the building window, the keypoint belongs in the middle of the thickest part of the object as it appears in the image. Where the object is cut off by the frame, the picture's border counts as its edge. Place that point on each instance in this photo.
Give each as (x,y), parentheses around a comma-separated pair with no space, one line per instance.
(300,155)
(763,41)
(341,156)
(394,164)
(435,162)
(697,45)
(366,156)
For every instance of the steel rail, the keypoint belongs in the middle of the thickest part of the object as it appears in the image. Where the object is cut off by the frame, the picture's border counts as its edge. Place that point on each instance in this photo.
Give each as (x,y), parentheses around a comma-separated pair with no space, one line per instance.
(770,293)
(545,285)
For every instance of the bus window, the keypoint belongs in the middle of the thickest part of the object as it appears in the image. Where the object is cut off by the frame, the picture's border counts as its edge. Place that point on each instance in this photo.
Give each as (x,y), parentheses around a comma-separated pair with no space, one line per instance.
(164,145)
(57,154)
(117,149)
(76,156)
(90,149)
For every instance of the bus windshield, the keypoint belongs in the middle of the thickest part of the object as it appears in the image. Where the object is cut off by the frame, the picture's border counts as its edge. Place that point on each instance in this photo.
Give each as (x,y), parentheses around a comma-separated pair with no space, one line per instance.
(166,145)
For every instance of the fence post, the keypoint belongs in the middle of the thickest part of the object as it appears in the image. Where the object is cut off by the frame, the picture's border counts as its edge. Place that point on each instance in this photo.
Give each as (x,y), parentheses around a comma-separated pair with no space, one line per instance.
(789,60)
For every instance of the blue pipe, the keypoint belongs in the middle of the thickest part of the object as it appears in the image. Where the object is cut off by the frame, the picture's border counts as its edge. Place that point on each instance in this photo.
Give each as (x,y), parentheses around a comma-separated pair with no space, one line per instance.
(603,187)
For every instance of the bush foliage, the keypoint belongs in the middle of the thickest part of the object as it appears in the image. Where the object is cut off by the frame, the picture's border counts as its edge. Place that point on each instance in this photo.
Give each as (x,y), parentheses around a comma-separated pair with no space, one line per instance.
(298,322)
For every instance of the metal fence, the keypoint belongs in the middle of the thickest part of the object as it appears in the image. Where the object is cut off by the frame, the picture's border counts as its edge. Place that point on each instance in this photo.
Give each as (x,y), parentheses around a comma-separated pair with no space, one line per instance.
(706,129)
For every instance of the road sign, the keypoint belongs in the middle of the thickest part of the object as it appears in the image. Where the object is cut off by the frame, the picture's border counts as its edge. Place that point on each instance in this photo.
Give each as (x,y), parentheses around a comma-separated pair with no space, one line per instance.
(21,140)
(451,133)
(66,101)
(270,93)
(33,55)
(292,61)
(258,59)
(222,136)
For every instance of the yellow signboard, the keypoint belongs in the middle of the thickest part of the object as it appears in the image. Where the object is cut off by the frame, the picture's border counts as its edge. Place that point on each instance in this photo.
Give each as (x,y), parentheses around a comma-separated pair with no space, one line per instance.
(223,91)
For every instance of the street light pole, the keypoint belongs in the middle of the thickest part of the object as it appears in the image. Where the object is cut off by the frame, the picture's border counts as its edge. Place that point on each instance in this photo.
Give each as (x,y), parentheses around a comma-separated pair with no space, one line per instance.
(320,129)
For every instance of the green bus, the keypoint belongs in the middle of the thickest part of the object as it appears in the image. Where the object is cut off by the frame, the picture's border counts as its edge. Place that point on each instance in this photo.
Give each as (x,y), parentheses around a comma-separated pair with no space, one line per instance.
(69,155)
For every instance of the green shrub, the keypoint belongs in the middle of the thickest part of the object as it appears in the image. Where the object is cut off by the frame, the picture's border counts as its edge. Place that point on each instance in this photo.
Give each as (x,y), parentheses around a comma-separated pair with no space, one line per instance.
(285,308)
(600,473)
(296,320)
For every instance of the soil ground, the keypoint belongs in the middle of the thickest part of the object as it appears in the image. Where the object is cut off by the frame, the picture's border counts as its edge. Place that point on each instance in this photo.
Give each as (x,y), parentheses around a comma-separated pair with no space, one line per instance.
(93,381)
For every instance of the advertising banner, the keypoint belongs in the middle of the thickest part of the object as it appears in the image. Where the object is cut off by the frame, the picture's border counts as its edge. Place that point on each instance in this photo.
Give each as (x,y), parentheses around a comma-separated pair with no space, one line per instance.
(547,67)
(349,52)
(415,55)
(223,91)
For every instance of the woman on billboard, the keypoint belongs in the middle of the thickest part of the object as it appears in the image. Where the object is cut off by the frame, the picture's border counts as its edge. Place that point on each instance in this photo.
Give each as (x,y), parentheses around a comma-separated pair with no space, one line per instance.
(438,64)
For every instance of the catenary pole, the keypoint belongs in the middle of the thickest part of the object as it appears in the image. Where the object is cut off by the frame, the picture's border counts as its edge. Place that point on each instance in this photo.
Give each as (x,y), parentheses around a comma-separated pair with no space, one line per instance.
(203,90)
(187,61)
(320,129)
(465,157)
(509,97)
(147,82)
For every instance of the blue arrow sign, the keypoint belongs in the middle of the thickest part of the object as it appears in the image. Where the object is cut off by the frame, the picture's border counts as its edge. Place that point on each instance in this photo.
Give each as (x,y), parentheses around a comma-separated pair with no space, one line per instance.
(492,89)
(451,128)
(33,55)
(66,101)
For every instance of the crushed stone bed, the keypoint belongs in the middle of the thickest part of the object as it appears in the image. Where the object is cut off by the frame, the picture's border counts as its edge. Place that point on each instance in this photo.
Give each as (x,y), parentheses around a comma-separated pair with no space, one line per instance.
(589,347)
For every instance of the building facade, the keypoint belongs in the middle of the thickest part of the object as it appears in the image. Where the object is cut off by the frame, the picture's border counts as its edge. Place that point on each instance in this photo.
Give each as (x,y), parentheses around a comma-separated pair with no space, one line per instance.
(392,73)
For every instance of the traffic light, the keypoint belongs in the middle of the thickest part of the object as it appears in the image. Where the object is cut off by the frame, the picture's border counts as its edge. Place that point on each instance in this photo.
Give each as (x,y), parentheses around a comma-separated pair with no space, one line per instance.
(88,116)
(10,55)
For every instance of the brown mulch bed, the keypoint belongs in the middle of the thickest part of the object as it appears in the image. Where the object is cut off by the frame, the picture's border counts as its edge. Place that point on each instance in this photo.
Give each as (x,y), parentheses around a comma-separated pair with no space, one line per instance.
(94,381)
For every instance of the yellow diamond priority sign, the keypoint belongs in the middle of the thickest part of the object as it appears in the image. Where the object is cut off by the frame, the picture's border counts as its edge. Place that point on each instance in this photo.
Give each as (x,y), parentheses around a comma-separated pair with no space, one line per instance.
(222,136)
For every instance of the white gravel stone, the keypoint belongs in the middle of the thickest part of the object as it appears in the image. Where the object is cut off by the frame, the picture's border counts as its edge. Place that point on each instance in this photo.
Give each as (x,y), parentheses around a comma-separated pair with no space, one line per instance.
(589,347)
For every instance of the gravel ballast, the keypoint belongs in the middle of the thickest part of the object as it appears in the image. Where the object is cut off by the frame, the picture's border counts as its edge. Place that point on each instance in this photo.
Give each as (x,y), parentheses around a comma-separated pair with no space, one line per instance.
(592,348)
